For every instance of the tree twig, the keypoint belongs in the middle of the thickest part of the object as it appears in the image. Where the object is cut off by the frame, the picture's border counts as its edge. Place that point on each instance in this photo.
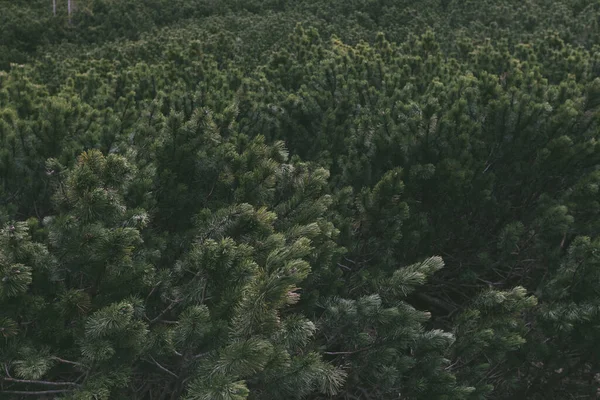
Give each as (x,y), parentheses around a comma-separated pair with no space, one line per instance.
(163,368)
(40,382)
(67,361)
(337,353)
(35,393)
(200,355)
(163,312)
(344,267)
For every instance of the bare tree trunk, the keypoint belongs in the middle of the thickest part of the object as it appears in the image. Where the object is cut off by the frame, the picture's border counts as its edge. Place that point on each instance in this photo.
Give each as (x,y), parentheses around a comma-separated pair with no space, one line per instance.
(69,10)
(54,7)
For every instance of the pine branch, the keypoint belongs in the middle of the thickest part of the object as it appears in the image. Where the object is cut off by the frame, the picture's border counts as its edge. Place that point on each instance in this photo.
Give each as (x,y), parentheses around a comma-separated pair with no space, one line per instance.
(203,292)
(163,368)
(344,267)
(336,353)
(365,393)
(35,393)
(200,355)
(67,361)
(87,373)
(40,382)
(153,290)
(163,312)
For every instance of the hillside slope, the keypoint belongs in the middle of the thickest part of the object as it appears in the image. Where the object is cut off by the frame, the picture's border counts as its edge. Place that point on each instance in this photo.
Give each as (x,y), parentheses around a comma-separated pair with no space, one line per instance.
(300,199)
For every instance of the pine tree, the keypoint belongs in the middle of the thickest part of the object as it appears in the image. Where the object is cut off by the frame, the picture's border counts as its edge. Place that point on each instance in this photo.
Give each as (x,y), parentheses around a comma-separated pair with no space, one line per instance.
(252,204)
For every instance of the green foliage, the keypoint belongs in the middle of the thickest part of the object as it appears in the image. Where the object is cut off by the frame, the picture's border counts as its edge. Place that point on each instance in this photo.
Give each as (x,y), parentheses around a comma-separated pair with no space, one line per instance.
(299,199)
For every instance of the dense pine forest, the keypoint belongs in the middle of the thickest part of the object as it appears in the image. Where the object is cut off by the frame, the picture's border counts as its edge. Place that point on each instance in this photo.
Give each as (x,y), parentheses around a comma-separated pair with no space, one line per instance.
(299,199)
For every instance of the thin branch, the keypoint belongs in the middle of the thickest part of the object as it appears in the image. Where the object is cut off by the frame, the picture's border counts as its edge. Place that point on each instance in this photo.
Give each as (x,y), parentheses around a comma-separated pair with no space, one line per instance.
(163,368)
(344,267)
(364,391)
(67,361)
(163,312)
(211,191)
(336,353)
(203,291)
(80,377)
(87,373)
(36,210)
(562,242)
(40,382)
(153,290)
(200,355)
(451,366)
(35,393)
